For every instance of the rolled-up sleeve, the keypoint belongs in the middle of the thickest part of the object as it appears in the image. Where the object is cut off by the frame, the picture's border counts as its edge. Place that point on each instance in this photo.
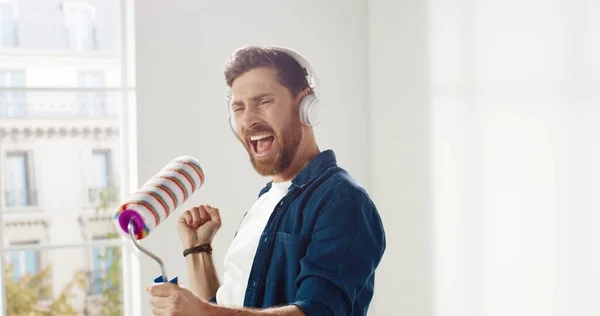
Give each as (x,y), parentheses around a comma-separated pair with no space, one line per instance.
(347,244)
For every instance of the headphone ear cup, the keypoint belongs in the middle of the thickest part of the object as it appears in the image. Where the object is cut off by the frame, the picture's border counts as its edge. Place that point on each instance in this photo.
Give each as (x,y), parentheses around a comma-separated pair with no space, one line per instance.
(310,110)
(231,124)
(230,118)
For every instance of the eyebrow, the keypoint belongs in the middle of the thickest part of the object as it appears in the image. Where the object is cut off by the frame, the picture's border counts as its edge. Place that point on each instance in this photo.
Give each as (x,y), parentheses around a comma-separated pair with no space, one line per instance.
(254,98)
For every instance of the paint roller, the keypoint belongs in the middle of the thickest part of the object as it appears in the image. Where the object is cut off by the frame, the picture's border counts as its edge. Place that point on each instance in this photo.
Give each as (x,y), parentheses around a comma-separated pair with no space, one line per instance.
(158,198)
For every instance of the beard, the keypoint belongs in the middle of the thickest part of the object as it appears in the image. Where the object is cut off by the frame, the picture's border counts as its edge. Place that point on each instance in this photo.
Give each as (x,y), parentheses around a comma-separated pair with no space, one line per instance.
(288,142)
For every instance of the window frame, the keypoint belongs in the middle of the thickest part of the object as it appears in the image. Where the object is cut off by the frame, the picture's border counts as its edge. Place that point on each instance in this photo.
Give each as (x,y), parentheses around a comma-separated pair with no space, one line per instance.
(131,285)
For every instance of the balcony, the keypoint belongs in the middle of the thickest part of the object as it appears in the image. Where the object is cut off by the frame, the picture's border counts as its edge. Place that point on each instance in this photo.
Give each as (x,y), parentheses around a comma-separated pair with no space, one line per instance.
(106,196)
(20,198)
(45,112)
(87,104)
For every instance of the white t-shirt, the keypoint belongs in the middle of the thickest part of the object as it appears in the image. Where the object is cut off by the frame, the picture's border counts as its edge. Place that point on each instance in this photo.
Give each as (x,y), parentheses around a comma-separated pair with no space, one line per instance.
(240,256)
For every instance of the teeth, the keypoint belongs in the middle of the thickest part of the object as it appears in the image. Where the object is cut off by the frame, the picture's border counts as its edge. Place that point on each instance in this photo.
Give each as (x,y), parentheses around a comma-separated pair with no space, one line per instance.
(259,137)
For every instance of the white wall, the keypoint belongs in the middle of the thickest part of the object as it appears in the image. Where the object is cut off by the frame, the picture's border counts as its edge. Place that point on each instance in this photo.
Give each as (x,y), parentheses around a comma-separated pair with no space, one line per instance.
(181,50)
(427,98)
(401,159)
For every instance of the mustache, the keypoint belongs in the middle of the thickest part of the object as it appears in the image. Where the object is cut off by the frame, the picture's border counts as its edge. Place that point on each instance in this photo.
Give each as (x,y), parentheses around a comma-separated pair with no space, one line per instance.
(257,130)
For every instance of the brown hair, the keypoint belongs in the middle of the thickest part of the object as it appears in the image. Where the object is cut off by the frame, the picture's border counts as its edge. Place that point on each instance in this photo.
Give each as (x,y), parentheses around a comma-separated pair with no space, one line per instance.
(291,75)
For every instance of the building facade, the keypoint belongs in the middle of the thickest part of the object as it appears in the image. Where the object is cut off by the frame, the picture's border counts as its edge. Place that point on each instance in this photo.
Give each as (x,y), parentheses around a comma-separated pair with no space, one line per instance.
(59,136)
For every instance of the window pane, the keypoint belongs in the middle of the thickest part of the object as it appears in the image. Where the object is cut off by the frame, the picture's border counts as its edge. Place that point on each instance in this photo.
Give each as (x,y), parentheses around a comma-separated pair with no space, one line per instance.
(16,172)
(74,135)
(8,25)
(100,169)
(31,262)
(81,26)
(14,264)
(42,280)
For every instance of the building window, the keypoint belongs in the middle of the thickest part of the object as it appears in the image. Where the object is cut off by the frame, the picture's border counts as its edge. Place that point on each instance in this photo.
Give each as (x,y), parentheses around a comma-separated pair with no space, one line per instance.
(9,36)
(12,103)
(102,190)
(105,269)
(80,20)
(17,180)
(24,262)
(91,103)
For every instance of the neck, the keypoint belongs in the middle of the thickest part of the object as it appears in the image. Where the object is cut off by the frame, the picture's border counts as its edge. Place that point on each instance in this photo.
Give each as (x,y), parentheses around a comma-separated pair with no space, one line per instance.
(303,158)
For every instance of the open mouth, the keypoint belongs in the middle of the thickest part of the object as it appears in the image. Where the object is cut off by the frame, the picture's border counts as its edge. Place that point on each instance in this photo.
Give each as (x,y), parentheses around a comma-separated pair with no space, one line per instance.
(261,144)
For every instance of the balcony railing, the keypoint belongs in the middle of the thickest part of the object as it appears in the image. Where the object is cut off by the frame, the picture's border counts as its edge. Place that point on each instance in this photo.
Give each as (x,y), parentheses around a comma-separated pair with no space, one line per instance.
(20,198)
(107,196)
(92,103)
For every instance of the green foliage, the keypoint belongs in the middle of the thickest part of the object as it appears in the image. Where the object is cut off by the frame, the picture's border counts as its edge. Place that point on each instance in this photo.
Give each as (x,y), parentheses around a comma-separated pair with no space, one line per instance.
(24,295)
(31,295)
(110,299)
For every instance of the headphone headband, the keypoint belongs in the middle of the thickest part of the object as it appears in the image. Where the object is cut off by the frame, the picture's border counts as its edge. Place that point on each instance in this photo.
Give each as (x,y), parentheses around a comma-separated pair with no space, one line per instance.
(311,77)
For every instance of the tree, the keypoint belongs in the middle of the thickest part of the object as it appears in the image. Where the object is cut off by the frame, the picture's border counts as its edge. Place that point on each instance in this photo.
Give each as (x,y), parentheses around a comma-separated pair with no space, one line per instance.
(24,295)
(110,298)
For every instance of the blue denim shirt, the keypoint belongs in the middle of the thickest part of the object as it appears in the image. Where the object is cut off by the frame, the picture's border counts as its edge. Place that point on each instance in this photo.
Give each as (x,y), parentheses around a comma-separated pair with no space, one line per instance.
(321,245)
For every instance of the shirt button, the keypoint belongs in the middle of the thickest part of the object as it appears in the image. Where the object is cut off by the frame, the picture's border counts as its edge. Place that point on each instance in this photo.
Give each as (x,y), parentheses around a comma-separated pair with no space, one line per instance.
(266,239)
(254,283)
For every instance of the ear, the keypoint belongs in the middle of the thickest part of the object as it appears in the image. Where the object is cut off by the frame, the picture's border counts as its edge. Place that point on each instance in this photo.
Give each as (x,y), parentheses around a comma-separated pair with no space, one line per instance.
(303,93)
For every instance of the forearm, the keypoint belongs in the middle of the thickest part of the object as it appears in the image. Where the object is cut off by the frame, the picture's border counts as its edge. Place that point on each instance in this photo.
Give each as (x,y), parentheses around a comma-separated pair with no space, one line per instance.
(290,310)
(204,281)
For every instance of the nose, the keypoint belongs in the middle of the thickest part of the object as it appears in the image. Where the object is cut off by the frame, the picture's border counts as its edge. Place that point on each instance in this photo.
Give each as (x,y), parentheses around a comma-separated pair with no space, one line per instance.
(249,119)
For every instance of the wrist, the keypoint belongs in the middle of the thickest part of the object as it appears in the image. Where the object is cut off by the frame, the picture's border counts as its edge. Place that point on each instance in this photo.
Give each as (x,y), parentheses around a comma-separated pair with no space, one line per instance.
(210,309)
(201,248)
(195,243)
(199,258)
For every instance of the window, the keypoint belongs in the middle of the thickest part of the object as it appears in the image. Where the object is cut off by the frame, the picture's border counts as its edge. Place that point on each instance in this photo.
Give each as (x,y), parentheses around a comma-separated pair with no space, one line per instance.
(104,260)
(81,29)
(24,262)
(12,103)
(8,25)
(91,103)
(58,144)
(17,180)
(101,190)
(101,168)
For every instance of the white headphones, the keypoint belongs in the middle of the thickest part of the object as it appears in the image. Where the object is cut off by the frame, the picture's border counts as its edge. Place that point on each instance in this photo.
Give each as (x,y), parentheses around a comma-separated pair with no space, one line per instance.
(310,105)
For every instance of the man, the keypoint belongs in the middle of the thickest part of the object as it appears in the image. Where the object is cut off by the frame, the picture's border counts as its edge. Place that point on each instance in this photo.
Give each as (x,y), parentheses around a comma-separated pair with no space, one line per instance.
(313,239)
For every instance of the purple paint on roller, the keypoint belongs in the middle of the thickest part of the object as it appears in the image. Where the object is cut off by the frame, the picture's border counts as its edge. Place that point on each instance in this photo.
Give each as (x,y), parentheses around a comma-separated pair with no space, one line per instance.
(129,215)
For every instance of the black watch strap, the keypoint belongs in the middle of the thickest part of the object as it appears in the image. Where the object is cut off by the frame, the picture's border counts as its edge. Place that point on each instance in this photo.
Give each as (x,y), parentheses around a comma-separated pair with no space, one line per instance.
(201,248)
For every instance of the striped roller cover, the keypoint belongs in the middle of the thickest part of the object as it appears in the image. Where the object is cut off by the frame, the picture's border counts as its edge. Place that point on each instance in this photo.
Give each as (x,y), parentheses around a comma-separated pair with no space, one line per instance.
(160,196)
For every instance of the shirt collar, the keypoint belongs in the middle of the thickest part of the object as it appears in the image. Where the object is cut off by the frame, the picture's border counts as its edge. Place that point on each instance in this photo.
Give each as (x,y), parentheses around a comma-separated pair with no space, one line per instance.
(315,167)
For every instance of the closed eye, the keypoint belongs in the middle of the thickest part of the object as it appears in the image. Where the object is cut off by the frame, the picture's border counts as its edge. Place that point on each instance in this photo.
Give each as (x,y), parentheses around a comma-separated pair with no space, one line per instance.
(266,102)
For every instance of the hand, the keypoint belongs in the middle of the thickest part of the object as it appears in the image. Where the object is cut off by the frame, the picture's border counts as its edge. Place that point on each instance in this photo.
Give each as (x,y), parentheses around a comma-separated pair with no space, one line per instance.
(170,299)
(198,225)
